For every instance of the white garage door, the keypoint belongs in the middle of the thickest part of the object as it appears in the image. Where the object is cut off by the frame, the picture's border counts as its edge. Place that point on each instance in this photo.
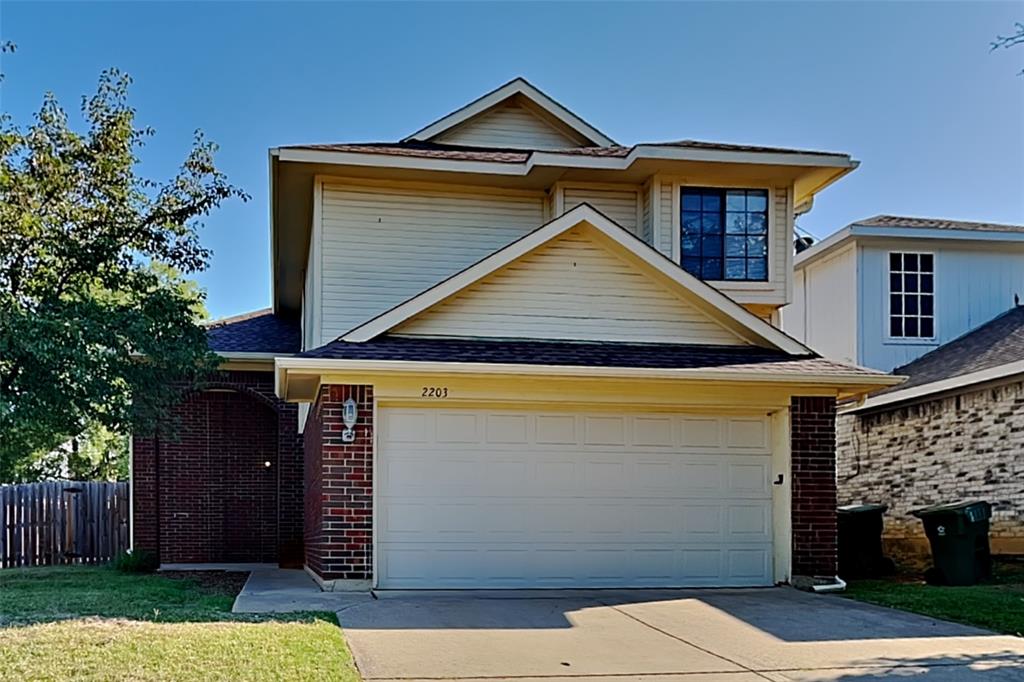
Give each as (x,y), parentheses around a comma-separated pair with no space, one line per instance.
(514,499)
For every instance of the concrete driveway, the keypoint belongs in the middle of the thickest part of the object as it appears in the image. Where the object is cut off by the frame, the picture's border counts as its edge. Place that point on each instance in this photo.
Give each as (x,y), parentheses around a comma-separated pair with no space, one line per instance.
(664,636)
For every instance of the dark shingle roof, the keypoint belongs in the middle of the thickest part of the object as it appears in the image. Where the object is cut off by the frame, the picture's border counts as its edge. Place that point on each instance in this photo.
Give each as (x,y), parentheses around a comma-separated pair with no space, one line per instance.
(583,354)
(260,331)
(997,342)
(936,224)
(436,150)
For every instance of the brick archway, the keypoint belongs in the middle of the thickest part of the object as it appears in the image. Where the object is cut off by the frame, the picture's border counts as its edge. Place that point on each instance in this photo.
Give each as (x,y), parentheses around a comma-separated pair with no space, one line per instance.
(205,493)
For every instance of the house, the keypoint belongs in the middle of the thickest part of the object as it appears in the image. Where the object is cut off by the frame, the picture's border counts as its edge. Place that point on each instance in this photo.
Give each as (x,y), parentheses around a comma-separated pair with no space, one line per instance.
(929,298)
(507,351)
(954,430)
(886,290)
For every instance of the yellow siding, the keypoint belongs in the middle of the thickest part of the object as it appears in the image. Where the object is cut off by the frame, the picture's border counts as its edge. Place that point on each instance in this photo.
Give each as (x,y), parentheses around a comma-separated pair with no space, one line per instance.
(383,245)
(571,288)
(618,204)
(508,126)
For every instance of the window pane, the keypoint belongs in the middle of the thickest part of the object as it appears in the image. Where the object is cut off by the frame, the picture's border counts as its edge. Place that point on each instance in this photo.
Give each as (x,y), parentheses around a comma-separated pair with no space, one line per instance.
(691,222)
(927,263)
(736,246)
(756,223)
(927,327)
(910,262)
(927,283)
(712,245)
(895,304)
(910,304)
(757,246)
(895,261)
(691,201)
(736,223)
(757,200)
(712,201)
(735,200)
(910,282)
(927,305)
(691,245)
(896,282)
(712,223)
(735,268)
(692,266)
(896,326)
(910,327)
(712,268)
(757,269)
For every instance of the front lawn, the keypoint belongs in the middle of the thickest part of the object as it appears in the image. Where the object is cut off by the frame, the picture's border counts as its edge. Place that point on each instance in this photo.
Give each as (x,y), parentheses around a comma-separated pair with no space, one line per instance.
(97,624)
(996,605)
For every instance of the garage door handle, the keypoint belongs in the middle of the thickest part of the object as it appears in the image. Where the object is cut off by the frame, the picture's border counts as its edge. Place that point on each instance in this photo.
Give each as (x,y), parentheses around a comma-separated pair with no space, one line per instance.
(779,479)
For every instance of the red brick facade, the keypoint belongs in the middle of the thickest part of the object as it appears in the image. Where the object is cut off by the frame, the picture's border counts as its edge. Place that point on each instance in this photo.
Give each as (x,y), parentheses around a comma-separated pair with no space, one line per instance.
(813,433)
(203,491)
(339,487)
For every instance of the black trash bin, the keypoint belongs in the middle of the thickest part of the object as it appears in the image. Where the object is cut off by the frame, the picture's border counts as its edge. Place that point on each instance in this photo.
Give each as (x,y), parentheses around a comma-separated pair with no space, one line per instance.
(958,535)
(860,541)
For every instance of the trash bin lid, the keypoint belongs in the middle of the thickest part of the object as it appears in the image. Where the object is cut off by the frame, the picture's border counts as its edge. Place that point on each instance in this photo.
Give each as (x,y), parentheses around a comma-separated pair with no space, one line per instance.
(862,508)
(975,510)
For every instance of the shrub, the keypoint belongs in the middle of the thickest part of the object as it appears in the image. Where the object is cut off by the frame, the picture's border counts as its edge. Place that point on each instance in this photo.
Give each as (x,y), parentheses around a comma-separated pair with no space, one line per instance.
(139,561)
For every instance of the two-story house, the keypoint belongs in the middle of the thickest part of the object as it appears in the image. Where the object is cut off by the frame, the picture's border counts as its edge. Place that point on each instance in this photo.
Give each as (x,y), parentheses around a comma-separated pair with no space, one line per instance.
(507,351)
(935,301)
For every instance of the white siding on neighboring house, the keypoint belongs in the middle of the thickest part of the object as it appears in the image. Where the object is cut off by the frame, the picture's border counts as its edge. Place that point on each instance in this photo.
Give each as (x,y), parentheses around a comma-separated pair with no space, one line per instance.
(571,288)
(508,126)
(823,312)
(619,204)
(384,244)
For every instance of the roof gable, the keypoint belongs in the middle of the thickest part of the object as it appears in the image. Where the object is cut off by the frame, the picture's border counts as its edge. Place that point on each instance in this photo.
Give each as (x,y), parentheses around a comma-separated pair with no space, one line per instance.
(589,242)
(529,101)
(572,288)
(511,125)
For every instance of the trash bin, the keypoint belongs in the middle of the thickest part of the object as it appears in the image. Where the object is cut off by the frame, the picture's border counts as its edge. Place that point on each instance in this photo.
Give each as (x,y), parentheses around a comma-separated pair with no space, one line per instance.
(958,535)
(860,541)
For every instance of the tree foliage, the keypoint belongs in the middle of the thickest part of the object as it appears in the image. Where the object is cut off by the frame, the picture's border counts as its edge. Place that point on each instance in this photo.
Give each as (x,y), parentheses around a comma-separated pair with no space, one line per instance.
(1010,40)
(98,324)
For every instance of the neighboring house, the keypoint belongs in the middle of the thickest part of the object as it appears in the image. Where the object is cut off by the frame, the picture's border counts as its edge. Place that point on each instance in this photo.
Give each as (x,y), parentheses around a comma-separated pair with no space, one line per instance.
(523,356)
(954,430)
(886,290)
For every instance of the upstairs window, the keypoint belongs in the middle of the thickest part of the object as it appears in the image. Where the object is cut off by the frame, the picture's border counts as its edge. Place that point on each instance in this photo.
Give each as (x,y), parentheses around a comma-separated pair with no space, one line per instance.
(725,234)
(911,295)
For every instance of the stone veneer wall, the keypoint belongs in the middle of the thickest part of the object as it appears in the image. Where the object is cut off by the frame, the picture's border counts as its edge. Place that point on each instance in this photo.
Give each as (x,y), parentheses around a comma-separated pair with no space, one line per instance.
(957,447)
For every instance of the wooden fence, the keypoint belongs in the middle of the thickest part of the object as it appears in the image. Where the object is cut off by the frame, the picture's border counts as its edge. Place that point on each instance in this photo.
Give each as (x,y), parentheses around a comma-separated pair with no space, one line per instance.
(44,524)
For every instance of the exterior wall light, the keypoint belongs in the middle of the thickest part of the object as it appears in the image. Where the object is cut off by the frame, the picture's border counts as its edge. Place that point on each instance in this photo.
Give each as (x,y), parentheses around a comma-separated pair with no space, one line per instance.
(349,416)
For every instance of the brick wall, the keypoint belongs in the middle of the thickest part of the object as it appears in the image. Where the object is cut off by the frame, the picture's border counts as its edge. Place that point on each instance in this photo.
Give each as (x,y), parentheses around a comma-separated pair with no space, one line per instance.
(339,484)
(813,452)
(202,490)
(956,447)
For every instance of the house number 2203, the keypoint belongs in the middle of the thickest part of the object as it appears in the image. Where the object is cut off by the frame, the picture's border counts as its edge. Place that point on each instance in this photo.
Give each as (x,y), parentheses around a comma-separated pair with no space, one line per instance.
(435,391)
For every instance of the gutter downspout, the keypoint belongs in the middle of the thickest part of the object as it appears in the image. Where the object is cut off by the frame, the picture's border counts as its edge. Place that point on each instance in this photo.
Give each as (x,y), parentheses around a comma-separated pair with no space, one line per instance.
(838,586)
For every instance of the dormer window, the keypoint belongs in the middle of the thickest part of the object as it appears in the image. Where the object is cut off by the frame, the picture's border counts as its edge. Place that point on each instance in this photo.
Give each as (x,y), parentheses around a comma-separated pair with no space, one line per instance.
(724,233)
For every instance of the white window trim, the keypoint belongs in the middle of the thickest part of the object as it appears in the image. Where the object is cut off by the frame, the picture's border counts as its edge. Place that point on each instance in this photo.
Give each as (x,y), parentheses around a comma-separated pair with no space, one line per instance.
(677,229)
(891,340)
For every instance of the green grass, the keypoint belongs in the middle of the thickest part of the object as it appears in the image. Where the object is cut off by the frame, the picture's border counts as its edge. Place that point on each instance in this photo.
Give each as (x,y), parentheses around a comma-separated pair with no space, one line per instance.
(94,623)
(995,605)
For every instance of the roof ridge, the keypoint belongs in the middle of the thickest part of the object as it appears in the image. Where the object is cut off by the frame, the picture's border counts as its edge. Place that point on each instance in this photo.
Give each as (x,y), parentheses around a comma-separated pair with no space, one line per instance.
(238,318)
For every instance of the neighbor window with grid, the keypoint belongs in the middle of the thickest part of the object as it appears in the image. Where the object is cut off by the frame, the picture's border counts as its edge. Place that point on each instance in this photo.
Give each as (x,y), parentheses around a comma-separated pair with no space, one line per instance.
(911,295)
(724,233)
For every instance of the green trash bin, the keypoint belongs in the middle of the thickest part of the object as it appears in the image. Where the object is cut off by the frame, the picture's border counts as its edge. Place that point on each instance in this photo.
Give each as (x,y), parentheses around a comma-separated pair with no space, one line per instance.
(860,541)
(958,535)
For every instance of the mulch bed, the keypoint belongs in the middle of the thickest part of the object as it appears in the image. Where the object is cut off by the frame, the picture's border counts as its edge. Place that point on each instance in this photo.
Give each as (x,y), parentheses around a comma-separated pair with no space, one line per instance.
(228,583)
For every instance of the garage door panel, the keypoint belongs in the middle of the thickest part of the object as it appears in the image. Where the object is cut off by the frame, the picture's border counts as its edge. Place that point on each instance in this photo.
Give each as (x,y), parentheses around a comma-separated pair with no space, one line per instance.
(519,499)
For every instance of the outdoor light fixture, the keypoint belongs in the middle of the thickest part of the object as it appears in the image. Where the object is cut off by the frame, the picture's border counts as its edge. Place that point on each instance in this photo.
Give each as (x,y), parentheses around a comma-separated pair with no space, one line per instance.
(349,415)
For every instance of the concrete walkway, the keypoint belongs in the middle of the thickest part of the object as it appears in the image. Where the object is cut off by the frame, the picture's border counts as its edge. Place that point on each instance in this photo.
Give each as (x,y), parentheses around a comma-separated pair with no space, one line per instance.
(664,636)
(279,590)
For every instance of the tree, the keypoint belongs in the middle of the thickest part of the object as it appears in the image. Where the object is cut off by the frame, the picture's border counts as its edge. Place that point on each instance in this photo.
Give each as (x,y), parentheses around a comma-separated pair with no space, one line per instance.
(98,323)
(1011,40)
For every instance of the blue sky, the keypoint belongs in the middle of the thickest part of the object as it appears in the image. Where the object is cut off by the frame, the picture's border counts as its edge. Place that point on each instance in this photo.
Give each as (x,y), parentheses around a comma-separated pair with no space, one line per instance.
(910,89)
